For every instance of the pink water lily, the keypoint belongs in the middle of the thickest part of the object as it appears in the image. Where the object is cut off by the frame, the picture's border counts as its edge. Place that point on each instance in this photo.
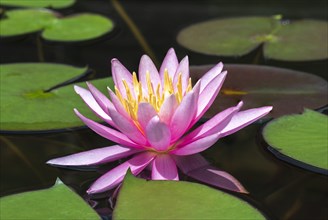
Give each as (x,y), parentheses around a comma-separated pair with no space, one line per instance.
(150,117)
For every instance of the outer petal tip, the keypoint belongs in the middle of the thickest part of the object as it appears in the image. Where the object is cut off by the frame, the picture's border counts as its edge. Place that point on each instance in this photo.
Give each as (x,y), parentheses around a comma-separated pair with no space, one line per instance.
(77,89)
(114,60)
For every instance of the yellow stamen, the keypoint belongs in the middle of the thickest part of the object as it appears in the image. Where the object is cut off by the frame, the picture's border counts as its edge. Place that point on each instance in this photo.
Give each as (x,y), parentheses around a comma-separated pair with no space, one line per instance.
(189,87)
(118,94)
(135,94)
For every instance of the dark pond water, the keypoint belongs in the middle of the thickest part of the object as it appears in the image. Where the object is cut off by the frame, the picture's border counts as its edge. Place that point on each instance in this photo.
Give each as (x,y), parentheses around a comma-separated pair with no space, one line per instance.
(280,190)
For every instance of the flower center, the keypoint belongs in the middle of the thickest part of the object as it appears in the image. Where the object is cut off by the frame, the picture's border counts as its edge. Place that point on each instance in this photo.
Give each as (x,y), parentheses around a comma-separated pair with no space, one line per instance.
(156,93)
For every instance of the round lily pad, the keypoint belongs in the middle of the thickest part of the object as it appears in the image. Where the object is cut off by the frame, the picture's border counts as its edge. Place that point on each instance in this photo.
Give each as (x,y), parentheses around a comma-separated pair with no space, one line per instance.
(288,91)
(303,40)
(38,3)
(141,199)
(28,105)
(25,21)
(226,37)
(300,40)
(300,139)
(78,28)
(57,202)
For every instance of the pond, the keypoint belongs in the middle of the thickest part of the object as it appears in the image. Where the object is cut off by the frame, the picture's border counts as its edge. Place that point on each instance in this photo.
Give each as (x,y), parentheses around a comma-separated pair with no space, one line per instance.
(281,184)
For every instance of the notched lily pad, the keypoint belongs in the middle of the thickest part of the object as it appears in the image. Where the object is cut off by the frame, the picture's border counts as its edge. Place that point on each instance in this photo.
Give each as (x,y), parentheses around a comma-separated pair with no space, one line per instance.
(58,4)
(300,40)
(300,139)
(57,202)
(19,22)
(288,91)
(31,101)
(141,199)
(303,40)
(226,37)
(80,27)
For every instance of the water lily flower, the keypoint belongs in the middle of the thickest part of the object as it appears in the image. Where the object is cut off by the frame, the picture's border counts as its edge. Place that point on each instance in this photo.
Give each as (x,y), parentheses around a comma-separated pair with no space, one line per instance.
(151,117)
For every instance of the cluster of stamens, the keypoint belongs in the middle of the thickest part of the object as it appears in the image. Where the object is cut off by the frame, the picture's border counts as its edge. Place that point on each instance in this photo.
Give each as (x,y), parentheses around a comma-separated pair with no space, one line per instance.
(156,94)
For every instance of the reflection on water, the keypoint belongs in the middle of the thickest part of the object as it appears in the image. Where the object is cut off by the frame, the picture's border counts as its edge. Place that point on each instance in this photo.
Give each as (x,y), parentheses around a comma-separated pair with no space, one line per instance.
(278,189)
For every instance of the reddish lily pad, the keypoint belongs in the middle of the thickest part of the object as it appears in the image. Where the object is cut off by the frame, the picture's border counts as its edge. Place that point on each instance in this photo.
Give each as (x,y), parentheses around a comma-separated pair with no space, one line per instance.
(33,97)
(288,91)
(303,40)
(141,199)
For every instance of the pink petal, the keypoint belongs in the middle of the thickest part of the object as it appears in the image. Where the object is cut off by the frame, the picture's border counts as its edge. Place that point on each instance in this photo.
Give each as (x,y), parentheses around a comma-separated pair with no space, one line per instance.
(107,132)
(117,104)
(146,64)
(119,73)
(210,75)
(190,162)
(197,167)
(167,109)
(209,93)
(170,63)
(244,118)
(183,115)
(93,157)
(183,68)
(212,126)
(115,176)
(92,103)
(197,146)
(145,112)
(127,127)
(158,134)
(164,168)
(101,99)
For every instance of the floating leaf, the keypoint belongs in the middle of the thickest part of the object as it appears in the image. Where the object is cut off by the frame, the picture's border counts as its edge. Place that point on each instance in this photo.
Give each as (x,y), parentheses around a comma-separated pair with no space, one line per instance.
(25,21)
(38,3)
(294,41)
(78,27)
(57,202)
(26,104)
(301,40)
(300,139)
(288,91)
(141,199)
(227,37)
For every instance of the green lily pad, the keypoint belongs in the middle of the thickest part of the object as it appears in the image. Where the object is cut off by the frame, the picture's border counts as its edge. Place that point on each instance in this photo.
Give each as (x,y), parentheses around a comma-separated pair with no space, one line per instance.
(302,138)
(301,40)
(25,21)
(78,28)
(295,41)
(141,199)
(226,37)
(38,3)
(263,85)
(57,202)
(27,105)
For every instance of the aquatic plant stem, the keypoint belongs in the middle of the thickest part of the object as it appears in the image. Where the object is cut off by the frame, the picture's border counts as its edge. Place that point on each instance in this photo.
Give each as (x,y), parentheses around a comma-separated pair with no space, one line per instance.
(39,49)
(21,155)
(134,29)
